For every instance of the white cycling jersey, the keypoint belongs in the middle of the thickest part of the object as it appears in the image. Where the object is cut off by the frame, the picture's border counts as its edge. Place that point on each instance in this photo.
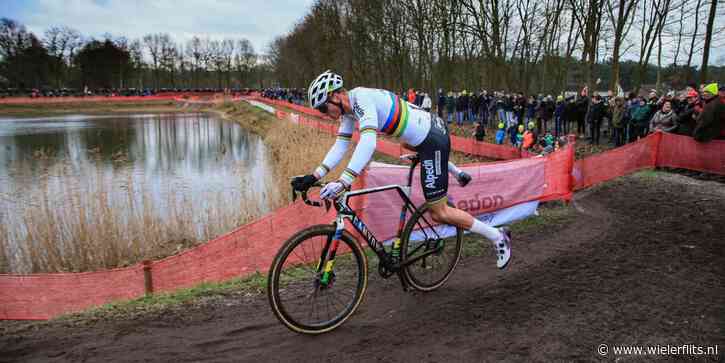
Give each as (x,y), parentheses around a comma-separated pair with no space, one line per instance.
(375,110)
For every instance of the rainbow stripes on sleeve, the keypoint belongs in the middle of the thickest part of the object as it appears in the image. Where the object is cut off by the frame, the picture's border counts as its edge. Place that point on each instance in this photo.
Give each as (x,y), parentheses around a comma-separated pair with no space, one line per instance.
(397,119)
(348,176)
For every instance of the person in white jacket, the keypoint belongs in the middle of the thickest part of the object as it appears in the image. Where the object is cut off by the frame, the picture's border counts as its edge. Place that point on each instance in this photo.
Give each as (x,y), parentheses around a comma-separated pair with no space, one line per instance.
(427,102)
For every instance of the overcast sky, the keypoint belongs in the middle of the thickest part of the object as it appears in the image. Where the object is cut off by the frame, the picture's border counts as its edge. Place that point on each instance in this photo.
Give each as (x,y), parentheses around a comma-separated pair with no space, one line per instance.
(258,21)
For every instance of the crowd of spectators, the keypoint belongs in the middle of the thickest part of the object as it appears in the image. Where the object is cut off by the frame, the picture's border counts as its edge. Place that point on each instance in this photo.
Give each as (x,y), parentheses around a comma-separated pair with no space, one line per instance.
(527,121)
(291,95)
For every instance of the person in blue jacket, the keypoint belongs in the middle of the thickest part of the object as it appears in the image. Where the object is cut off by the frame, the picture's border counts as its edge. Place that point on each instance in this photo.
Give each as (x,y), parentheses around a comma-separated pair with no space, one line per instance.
(501,133)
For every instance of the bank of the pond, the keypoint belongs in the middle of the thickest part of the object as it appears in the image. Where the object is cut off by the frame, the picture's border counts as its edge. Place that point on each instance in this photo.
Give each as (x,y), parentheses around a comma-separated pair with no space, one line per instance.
(89,108)
(294,149)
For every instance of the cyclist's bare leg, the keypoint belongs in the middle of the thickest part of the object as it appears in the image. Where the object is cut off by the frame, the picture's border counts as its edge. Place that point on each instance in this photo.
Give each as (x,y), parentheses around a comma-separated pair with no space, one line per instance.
(443,213)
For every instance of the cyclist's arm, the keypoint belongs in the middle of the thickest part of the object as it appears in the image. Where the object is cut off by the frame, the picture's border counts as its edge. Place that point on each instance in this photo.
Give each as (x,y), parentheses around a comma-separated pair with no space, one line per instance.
(365,112)
(338,149)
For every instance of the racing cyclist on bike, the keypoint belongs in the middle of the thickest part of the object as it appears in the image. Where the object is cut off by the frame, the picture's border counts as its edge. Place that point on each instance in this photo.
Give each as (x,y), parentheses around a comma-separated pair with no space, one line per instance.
(380,110)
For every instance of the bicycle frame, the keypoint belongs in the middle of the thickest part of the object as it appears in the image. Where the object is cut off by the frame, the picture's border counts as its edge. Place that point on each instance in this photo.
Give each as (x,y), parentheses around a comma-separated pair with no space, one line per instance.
(345,212)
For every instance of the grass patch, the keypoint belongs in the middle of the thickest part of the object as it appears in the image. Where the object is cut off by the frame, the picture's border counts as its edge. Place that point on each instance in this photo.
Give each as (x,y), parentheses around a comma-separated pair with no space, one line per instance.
(254,284)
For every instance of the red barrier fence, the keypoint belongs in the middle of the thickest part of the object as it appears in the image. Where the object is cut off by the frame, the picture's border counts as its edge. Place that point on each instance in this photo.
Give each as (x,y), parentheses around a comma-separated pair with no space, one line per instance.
(251,247)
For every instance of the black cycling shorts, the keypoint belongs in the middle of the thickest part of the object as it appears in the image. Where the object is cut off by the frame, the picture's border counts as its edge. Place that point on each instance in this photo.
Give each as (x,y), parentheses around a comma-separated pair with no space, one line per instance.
(433,153)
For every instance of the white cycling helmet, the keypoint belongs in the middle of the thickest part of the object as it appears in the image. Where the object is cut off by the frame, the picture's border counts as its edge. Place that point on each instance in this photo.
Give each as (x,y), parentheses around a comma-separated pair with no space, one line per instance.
(321,86)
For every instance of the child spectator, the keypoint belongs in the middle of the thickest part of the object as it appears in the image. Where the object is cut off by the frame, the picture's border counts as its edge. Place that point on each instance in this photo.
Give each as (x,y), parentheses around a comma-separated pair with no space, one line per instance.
(501,133)
(480,131)
(519,136)
(529,137)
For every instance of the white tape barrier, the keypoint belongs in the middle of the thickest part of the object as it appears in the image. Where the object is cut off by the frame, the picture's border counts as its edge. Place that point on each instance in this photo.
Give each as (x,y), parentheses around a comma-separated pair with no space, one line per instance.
(261,105)
(497,218)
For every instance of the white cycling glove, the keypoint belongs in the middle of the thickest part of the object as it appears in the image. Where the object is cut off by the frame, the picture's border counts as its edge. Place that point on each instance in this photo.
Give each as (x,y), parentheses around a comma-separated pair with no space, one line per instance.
(332,190)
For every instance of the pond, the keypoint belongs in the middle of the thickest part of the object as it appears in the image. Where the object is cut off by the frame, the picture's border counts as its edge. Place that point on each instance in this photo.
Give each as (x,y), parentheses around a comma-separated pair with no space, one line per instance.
(134,179)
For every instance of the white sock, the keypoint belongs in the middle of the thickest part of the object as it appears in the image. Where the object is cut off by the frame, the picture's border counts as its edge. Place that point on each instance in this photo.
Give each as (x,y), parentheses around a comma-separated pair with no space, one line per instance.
(453,169)
(493,234)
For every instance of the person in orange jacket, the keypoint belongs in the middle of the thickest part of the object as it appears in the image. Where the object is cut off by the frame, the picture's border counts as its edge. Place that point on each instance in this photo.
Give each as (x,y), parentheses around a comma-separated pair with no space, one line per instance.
(411,96)
(529,137)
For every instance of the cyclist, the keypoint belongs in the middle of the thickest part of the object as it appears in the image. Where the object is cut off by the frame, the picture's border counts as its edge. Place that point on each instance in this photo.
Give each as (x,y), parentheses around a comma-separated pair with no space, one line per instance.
(380,110)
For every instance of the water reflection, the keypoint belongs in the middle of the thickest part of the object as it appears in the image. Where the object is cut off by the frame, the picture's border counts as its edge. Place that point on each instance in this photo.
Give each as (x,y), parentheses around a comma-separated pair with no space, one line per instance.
(171,162)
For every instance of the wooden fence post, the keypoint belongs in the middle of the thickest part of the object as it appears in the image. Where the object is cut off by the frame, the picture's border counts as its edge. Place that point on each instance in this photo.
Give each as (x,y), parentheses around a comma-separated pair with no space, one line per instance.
(147,278)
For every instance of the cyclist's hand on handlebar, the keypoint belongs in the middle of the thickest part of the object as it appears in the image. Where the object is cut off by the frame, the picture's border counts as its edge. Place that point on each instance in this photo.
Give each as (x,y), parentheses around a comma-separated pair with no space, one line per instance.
(302,183)
(333,190)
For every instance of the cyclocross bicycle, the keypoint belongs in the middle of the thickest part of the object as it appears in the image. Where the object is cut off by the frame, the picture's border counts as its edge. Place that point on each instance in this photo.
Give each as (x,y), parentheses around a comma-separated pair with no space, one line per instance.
(319,276)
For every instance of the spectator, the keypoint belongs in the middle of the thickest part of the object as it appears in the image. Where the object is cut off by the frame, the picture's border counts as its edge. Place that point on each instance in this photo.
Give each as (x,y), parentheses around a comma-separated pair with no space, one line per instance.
(460,108)
(519,136)
(475,105)
(426,103)
(664,120)
(441,102)
(546,112)
(640,120)
(581,111)
(450,106)
(410,97)
(618,111)
(529,138)
(501,133)
(418,98)
(597,112)
(559,115)
(463,108)
(687,118)
(531,107)
(711,122)
(480,131)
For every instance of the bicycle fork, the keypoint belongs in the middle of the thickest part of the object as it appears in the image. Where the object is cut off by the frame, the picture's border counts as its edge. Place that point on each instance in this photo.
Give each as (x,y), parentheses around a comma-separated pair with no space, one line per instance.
(326,263)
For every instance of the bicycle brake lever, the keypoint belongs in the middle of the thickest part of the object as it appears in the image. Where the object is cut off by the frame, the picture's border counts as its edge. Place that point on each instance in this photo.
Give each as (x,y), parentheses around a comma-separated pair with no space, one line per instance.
(327,205)
(294,195)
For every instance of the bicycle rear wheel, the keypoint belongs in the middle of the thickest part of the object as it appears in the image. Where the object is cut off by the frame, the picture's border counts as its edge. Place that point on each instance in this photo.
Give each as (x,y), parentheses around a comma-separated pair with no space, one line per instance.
(300,297)
(436,250)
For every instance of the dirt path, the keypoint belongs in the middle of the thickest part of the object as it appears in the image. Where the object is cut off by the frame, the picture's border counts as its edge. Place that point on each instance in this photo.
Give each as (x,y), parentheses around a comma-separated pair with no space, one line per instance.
(642,264)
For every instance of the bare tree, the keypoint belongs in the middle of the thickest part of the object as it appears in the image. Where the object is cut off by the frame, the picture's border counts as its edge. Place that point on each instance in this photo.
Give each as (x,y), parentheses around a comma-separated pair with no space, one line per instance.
(708,40)
(155,44)
(588,14)
(652,21)
(244,60)
(621,22)
(195,52)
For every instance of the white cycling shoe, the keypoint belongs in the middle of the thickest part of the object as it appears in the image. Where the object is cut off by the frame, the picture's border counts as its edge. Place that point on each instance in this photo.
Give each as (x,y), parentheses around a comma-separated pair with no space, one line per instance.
(503,248)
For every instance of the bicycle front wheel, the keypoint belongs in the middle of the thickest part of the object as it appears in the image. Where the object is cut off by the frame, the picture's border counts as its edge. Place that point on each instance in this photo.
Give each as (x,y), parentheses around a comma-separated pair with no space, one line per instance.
(304,297)
(431,251)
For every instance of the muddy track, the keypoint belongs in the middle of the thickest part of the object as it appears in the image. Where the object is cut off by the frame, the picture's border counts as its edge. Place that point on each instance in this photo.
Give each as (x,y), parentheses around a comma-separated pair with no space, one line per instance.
(643,262)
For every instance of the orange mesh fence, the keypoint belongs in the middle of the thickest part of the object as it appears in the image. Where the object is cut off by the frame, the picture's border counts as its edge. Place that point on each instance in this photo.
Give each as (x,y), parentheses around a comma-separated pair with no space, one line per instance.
(43,296)
(677,151)
(471,146)
(617,162)
(252,247)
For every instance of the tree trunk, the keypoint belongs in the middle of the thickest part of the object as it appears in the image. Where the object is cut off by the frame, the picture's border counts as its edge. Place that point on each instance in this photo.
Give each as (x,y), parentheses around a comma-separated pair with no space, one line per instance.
(708,39)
